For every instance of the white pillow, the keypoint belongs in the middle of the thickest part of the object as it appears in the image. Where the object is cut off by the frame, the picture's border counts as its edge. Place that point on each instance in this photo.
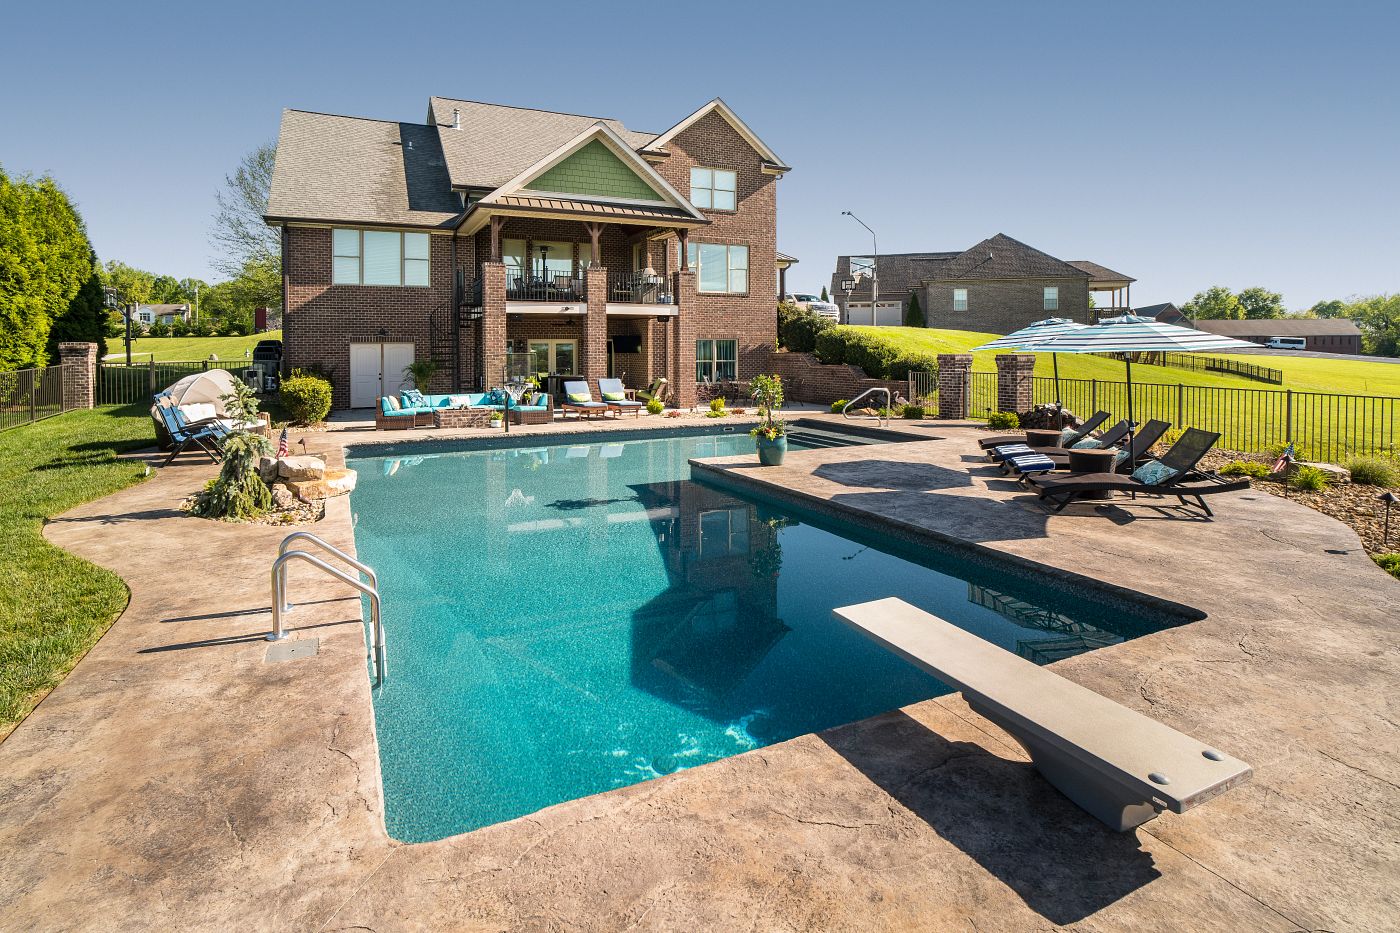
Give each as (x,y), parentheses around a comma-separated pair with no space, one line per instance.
(198,411)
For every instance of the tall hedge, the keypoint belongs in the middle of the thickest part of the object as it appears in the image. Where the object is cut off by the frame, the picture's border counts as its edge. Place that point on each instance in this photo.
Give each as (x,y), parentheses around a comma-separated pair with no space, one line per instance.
(48,285)
(879,360)
(800,331)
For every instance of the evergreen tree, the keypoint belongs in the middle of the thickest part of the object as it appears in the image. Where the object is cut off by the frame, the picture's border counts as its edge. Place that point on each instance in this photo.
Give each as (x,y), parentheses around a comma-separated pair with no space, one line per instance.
(913,312)
(824,297)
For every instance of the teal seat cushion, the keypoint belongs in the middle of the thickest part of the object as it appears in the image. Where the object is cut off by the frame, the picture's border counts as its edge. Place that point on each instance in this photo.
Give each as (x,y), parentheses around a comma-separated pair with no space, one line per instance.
(1088,443)
(1153,472)
(1067,436)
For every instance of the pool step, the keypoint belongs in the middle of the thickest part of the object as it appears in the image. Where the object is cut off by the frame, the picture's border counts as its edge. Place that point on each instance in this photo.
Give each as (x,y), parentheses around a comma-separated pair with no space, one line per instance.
(811,439)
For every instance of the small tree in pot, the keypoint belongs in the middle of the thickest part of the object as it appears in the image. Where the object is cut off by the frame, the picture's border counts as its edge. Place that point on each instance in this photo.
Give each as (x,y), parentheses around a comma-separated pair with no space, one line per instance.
(421,372)
(771,434)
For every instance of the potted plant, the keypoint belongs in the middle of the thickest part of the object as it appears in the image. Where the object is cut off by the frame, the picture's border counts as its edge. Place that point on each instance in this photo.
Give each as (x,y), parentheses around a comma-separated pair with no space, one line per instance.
(497,419)
(771,433)
(422,373)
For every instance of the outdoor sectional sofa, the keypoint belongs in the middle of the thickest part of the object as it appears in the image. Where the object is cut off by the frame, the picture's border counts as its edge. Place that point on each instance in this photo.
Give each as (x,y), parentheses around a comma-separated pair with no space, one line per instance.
(399,414)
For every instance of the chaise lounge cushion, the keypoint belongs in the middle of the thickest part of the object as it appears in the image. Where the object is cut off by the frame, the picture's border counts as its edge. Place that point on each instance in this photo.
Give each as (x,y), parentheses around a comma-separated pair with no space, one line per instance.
(1153,472)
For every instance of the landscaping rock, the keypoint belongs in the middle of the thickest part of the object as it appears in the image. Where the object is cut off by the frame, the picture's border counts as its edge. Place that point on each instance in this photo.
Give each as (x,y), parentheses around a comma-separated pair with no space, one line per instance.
(267,469)
(1047,418)
(1336,475)
(283,498)
(301,468)
(333,483)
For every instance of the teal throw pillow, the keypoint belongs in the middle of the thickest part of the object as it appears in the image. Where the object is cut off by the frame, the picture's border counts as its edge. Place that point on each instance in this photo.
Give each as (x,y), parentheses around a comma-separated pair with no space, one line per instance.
(1067,436)
(1153,472)
(1088,443)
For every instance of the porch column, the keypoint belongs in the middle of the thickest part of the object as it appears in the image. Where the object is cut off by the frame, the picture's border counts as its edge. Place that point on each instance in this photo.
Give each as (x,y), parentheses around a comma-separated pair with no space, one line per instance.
(496,224)
(684,236)
(595,326)
(782,282)
(682,338)
(493,324)
(595,233)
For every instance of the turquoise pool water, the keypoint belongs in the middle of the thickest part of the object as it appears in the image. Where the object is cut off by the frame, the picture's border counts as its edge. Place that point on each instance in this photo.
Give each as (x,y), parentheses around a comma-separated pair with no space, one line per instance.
(569,619)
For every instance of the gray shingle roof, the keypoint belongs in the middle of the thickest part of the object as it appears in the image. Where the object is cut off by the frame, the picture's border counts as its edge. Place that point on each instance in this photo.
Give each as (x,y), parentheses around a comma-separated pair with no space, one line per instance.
(496,142)
(899,272)
(1099,274)
(1282,327)
(1001,257)
(355,170)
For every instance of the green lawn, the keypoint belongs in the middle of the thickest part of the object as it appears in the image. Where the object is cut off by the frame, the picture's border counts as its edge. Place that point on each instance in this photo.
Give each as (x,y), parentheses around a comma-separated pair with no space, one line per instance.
(1301,374)
(54,606)
(186,348)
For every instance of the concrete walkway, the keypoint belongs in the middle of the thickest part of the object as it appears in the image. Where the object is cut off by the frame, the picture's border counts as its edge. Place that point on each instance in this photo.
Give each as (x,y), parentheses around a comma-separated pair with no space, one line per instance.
(179,780)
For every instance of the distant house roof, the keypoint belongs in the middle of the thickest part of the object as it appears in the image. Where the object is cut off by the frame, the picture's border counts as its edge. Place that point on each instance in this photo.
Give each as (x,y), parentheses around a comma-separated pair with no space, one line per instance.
(899,272)
(1282,327)
(785,258)
(1100,275)
(1166,312)
(1001,257)
(350,169)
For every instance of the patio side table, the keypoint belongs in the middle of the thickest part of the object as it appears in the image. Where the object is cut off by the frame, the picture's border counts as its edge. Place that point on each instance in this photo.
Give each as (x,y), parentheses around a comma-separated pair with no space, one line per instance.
(1092,461)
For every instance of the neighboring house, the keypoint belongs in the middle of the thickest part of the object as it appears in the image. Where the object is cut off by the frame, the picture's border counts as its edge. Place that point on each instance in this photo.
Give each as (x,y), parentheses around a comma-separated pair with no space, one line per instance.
(1334,335)
(1167,313)
(997,286)
(165,314)
(498,240)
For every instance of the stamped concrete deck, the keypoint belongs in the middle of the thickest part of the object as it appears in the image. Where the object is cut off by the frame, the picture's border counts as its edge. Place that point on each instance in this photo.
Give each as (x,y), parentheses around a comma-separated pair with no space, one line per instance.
(178,781)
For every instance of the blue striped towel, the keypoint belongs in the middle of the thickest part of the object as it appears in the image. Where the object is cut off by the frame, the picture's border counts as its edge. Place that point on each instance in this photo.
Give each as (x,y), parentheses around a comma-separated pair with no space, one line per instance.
(1007,450)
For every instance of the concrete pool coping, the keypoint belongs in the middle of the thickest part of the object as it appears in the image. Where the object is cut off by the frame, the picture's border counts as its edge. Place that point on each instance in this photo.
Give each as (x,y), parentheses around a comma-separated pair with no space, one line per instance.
(176,779)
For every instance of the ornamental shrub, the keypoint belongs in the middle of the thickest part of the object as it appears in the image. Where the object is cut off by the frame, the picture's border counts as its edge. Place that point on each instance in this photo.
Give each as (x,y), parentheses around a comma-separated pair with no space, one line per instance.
(1390,563)
(1003,420)
(1373,471)
(1251,468)
(655,406)
(717,404)
(238,493)
(306,398)
(839,404)
(913,313)
(800,332)
(831,346)
(1309,479)
(913,412)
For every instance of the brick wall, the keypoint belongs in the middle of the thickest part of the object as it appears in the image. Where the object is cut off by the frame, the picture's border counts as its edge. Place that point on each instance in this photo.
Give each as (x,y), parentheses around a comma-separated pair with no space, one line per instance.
(807,380)
(1001,306)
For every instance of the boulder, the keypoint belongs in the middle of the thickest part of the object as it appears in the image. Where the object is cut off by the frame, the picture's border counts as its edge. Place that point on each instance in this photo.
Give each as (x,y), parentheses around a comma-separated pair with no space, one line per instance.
(301,468)
(267,469)
(283,498)
(333,483)
(1336,475)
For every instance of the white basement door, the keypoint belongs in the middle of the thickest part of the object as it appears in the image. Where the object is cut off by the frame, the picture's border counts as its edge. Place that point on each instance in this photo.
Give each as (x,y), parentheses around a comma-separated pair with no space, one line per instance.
(376,369)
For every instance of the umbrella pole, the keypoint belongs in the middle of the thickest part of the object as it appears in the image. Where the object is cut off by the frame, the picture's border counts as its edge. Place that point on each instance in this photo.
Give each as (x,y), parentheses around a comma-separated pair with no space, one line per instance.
(1132,424)
(1059,405)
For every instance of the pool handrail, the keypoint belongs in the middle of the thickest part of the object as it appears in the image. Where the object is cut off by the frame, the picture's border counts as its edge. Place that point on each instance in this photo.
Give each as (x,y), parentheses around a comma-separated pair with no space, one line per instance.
(371,589)
(889,403)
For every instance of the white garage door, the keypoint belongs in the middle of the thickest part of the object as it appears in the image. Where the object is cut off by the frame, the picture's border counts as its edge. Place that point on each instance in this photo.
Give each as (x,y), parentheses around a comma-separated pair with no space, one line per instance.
(858,312)
(889,314)
(376,369)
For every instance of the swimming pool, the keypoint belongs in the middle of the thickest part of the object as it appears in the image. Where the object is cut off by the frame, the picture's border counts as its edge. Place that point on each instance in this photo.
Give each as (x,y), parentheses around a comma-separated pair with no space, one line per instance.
(568,619)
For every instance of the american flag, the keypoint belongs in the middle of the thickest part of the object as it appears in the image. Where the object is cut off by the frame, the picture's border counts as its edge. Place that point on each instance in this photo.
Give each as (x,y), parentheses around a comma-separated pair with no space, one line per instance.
(282,445)
(1284,459)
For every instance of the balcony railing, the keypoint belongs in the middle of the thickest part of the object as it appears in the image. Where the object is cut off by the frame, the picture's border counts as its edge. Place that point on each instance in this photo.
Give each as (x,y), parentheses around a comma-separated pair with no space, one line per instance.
(640,288)
(560,287)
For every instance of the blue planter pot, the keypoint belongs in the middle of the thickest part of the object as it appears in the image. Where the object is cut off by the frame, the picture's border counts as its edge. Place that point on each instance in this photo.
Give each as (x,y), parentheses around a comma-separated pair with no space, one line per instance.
(770,453)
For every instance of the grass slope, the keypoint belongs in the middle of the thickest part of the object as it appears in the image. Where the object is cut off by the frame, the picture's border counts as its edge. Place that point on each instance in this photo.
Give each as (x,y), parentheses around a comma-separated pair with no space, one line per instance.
(1302,374)
(186,348)
(53,605)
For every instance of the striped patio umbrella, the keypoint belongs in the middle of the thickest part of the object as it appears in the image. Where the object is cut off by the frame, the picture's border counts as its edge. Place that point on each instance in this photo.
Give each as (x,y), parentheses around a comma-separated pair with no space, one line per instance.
(1032,335)
(1130,334)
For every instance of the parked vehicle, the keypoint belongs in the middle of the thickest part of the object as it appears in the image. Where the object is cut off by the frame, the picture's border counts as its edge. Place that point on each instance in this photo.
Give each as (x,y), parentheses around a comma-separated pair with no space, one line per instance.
(1287,343)
(816,306)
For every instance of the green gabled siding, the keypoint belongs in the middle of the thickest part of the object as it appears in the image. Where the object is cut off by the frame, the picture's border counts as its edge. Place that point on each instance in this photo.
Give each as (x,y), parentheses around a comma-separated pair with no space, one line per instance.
(595,170)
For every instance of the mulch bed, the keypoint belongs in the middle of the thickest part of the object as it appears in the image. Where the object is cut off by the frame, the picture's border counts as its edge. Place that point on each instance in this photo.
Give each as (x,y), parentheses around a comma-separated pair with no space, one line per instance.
(1351,503)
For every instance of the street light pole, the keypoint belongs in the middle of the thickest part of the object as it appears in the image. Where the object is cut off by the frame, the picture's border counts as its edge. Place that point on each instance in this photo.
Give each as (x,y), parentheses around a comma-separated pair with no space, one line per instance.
(874,272)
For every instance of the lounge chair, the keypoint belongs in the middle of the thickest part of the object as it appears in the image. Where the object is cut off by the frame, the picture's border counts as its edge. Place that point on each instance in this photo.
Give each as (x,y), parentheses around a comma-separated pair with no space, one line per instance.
(206,438)
(1083,431)
(579,400)
(615,397)
(1108,438)
(657,390)
(1143,439)
(1184,481)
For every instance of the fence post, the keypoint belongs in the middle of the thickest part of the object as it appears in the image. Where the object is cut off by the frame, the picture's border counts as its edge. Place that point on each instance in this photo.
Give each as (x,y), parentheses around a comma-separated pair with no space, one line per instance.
(151,374)
(1180,404)
(33,396)
(1288,419)
(1093,395)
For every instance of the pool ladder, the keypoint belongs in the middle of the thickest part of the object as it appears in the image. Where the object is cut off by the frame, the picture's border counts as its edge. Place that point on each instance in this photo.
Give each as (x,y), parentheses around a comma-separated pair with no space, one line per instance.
(371,589)
(889,403)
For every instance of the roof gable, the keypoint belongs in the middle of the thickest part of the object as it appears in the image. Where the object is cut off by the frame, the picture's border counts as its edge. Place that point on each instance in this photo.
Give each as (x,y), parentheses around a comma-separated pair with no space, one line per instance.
(732,118)
(1001,257)
(595,170)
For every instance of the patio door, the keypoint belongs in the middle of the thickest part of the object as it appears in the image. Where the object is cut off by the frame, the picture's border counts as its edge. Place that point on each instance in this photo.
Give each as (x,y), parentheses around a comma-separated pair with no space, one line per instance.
(553,356)
(376,369)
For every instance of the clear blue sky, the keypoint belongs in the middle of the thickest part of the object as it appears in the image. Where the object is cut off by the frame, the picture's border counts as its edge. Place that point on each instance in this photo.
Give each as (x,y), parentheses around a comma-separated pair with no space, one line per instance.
(1186,144)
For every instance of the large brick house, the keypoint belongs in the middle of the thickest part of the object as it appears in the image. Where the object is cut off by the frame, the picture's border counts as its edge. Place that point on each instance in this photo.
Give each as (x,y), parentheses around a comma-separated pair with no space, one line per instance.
(498,241)
(997,286)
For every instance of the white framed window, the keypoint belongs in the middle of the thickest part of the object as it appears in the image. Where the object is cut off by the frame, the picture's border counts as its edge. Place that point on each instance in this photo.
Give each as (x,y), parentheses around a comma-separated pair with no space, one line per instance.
(716,360)
(720,269)
(724,532)
(713,188)
(959,299)
(378,257)
(1052,298)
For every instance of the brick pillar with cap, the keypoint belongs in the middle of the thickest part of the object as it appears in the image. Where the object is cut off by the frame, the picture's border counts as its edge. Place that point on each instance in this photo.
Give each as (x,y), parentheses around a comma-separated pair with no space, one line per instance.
(79,361)
(1015,382)
(954,385)
(493,324)
(595,327)
(682,363)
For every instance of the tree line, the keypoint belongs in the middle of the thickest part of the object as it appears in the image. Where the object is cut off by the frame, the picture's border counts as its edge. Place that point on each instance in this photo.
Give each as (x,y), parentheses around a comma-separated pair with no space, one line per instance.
(1377,316)
(52,283)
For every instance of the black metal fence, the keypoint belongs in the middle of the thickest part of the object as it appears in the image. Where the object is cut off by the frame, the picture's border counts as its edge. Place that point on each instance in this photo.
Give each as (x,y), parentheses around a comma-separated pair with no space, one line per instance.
(29,395)
(119,384)
(1321,426)
(1197,362)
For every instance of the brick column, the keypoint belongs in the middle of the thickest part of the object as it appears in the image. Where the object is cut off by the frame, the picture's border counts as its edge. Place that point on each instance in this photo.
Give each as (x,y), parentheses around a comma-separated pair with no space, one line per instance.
(1015,382)
(79,362)
(595,327)
(682,362)
(954,385)
(493,324)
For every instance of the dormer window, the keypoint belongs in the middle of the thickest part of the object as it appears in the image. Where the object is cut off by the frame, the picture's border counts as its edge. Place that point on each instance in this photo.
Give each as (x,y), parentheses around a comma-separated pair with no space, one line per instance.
(713,188)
